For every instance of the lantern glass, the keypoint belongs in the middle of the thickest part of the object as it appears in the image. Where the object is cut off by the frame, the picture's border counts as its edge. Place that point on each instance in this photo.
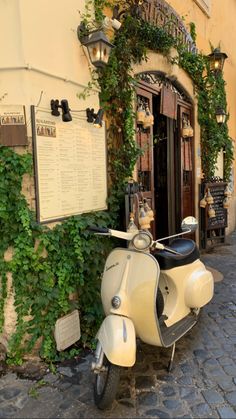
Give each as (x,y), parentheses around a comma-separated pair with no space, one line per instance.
(217,59)
(99,49)
(220,116)
(99,54)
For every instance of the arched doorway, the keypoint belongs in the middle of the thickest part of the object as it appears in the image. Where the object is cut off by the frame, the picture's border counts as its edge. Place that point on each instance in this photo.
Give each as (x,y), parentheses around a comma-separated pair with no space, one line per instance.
(166,169)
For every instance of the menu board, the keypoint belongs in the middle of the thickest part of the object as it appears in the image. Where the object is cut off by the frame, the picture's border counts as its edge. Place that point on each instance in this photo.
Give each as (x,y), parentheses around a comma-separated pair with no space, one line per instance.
(217,191)
(70,165)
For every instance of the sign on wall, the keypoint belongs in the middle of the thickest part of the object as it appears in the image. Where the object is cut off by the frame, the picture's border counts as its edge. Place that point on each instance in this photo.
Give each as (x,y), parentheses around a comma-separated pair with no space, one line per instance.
(70,166)
(12,125)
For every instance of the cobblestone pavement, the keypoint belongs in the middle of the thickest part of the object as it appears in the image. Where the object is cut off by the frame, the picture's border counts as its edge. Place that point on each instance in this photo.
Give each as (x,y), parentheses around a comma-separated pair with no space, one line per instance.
(201,385)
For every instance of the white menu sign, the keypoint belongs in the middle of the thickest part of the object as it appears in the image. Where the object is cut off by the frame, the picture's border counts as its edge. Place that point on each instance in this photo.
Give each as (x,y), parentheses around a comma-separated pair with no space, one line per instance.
(70,166)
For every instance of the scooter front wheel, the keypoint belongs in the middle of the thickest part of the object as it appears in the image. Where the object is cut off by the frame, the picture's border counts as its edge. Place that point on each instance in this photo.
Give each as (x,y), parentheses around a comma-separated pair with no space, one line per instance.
(106,384)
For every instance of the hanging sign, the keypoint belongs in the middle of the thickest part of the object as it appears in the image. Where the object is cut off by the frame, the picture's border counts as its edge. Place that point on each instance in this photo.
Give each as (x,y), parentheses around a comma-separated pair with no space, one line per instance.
(70,166)
(168,103)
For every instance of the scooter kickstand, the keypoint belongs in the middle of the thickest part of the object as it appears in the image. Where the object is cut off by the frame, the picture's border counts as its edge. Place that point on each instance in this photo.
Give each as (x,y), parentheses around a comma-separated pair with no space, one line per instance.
(169,368)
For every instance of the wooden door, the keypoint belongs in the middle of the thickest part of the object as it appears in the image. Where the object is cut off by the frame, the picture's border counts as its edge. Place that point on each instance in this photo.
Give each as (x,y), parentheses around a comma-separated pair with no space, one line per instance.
(144,139)
(187,165)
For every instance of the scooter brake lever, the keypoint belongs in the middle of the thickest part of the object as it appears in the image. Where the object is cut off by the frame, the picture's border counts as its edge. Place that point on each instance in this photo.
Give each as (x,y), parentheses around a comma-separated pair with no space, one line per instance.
(103,231)
(173,251)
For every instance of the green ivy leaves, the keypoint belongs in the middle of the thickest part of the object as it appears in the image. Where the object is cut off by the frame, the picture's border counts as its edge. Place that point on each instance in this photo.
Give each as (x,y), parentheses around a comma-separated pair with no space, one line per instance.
(47,265)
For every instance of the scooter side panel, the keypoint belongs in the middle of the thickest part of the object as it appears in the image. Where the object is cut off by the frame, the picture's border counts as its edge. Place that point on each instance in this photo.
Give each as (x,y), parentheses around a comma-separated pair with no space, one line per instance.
(118,340)
(133,276)
(185,285)
(199,288)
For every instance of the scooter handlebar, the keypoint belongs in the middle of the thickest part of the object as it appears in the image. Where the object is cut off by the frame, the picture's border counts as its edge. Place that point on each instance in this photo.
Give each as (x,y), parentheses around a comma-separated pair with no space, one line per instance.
(100,230)
(109,232)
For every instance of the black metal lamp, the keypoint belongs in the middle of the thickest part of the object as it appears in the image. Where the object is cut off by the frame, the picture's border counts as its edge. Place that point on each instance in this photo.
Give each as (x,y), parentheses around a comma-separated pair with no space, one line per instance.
(98,46)
(95,118)
(98,120)
(217,59)
(66,115)
(220,116)
(55,105)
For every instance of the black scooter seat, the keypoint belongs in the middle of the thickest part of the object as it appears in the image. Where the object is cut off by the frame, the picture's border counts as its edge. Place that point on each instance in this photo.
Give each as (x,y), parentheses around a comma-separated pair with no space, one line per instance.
(189,253)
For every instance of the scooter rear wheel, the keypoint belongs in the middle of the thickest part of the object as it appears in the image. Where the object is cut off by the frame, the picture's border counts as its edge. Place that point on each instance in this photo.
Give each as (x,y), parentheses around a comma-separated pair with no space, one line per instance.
(106,385)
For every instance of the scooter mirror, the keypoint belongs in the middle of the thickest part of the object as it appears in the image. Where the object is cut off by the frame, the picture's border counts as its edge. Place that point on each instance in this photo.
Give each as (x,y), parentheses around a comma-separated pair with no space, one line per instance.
(189,224)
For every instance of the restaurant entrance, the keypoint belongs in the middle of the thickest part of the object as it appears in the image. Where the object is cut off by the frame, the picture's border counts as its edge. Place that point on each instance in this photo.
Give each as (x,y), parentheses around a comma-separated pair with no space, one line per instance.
(165,170)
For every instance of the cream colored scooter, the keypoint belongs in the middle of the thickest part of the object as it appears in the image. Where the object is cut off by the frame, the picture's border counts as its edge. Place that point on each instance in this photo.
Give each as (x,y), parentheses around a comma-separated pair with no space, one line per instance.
(152,296)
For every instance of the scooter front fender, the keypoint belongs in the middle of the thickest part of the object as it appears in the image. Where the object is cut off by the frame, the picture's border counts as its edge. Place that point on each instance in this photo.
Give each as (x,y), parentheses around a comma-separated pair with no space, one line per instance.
(118,340)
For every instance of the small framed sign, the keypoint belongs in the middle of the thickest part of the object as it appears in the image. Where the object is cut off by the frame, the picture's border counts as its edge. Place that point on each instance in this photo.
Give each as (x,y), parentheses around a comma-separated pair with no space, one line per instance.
(13,130)
(67,330)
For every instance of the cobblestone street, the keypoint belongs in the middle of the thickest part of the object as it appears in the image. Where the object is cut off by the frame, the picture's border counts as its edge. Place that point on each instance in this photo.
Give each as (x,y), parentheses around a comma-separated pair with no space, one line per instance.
(201,384)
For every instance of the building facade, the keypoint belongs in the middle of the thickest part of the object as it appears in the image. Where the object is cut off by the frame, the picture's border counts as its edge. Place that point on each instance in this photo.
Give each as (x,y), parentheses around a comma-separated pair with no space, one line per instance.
(42,60)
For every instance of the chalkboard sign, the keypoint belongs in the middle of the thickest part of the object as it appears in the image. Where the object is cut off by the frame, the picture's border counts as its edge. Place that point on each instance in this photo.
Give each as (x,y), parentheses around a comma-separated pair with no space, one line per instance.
(217,191)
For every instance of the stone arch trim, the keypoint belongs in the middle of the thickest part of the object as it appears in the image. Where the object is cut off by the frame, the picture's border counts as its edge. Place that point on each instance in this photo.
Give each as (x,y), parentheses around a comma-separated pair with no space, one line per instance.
(158,62)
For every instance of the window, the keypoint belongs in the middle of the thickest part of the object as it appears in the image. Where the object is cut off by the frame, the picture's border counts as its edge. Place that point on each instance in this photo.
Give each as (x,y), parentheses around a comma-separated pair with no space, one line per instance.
(205,5)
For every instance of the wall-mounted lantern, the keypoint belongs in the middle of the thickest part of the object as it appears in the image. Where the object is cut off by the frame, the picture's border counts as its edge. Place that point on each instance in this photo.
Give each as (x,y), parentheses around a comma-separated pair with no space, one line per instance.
(217,59)
(98,46)
(220,116)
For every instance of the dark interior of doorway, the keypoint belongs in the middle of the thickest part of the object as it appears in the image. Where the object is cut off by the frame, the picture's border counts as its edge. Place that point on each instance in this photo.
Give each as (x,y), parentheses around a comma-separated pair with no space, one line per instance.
(160,168)
(166,159)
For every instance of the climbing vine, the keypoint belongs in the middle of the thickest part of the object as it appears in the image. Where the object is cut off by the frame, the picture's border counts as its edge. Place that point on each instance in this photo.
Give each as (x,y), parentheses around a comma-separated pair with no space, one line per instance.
(48,266)
(211,94)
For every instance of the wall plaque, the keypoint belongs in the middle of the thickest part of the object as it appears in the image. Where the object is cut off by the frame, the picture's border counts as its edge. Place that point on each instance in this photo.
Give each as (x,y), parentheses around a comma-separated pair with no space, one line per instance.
(70,166)
(12,125)
(67,330)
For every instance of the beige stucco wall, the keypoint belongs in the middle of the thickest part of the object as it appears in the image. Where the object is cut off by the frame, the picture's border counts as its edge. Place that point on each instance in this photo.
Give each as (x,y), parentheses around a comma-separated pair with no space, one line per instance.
(41,59)
(41,53)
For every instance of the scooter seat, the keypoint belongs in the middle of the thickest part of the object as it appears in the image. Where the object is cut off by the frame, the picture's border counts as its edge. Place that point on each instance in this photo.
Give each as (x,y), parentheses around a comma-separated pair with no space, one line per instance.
(189,253)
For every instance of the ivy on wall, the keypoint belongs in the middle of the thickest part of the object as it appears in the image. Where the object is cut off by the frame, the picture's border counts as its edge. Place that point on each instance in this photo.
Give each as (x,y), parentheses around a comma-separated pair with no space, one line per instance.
(210,89)
(48,265)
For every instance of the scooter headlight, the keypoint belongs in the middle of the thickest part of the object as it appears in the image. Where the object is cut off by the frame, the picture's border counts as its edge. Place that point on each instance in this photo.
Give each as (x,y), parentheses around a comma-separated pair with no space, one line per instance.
(116,302)
(142,240)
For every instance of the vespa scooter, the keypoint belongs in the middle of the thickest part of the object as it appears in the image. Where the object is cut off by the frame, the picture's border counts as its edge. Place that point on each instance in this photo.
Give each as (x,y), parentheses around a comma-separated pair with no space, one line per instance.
(154,296)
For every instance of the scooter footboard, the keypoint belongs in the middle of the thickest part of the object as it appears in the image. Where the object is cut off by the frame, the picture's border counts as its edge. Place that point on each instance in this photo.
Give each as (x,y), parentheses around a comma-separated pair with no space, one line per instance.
(118,340)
